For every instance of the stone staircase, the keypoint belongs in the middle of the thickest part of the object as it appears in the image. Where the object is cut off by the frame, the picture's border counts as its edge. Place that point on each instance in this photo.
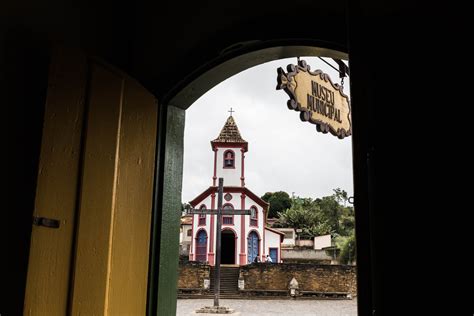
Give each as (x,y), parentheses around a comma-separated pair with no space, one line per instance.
(229,282)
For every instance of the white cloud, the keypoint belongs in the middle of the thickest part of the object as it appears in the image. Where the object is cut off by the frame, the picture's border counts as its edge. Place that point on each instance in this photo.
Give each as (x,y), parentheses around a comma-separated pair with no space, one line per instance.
(285,154)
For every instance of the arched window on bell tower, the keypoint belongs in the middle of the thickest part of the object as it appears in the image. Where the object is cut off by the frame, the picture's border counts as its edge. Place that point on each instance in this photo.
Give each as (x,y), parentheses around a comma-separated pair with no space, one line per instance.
(229,159)
(229,155)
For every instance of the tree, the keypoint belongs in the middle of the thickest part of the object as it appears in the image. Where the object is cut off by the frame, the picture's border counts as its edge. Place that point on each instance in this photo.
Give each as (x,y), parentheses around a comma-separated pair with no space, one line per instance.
(279,201)
(184,206)
(347,222)
(267,196)
(318,217)
(341,196)
(334,210)
(348,249)
(306,216)
(331,211)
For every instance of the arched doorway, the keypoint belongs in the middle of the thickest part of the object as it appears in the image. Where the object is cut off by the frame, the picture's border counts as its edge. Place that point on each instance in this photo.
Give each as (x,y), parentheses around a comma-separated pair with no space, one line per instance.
(228,247)
(201,246)
(184,95)
(252,247)
(174,120)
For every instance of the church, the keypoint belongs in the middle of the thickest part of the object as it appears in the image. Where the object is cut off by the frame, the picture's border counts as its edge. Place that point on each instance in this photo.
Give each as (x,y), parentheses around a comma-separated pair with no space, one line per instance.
(244,237)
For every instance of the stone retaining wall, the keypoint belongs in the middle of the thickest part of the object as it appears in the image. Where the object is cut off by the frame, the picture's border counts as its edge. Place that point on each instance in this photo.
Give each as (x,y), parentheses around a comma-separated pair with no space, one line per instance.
(267,279)
(310,277)
(192,275)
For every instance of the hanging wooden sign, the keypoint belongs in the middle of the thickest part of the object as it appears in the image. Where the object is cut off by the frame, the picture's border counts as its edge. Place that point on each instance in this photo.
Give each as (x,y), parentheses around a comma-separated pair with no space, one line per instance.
(317,98)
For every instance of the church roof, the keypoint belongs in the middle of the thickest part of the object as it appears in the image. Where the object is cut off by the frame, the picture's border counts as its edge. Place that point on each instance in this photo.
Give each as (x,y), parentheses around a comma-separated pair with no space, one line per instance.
(230,189)
(229,133)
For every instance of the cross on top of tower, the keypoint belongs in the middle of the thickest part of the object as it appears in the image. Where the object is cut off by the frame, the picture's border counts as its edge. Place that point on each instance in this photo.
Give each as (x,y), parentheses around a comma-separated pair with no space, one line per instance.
(231,111)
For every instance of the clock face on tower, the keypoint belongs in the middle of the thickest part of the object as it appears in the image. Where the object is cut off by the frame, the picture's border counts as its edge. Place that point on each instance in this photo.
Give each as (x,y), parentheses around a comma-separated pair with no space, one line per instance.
(228,197)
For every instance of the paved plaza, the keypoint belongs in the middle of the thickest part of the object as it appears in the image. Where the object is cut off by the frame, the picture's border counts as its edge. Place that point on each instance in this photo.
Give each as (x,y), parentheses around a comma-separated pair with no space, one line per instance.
(274,307)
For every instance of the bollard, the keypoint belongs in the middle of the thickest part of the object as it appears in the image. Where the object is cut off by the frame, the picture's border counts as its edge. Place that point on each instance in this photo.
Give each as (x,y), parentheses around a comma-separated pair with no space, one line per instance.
(293,287)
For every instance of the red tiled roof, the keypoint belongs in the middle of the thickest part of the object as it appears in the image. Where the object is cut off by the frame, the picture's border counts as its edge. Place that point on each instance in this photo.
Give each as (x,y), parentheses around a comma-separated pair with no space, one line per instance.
(186,220)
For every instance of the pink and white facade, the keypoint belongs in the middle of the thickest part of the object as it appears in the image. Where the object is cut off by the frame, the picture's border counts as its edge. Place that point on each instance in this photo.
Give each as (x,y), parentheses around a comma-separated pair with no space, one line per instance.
(243,236)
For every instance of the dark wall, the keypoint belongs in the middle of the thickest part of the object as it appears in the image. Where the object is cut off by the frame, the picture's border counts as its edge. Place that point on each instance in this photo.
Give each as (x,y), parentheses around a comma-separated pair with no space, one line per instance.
(202,32)
(25,72)
(403,57)
(158,45)
(161,43)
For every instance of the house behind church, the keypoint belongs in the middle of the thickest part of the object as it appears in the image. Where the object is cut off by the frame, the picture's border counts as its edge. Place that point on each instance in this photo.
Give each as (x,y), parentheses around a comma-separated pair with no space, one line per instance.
(185,235)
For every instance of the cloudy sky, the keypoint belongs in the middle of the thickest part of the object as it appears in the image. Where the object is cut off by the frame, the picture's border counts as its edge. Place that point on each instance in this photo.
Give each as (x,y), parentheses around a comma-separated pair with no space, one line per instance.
(285,154)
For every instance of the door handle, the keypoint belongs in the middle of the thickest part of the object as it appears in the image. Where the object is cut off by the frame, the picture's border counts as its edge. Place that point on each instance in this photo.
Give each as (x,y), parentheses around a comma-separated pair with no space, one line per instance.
(46,222)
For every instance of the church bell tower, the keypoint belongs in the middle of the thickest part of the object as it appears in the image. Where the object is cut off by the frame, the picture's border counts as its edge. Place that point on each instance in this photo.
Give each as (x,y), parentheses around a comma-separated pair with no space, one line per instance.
(229,155)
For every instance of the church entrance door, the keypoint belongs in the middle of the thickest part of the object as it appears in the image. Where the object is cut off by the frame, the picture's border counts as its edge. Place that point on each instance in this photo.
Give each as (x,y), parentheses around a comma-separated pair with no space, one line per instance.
(252,247)
(228,247)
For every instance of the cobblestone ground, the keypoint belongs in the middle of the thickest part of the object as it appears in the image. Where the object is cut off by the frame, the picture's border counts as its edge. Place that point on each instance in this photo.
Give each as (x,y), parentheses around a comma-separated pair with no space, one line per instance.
(274,307)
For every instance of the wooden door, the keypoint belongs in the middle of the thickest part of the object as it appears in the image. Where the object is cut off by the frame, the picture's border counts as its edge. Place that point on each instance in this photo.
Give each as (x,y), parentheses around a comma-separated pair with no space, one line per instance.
(96,179)
(201,246)
(50,260)
(252,247)
(274,254)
